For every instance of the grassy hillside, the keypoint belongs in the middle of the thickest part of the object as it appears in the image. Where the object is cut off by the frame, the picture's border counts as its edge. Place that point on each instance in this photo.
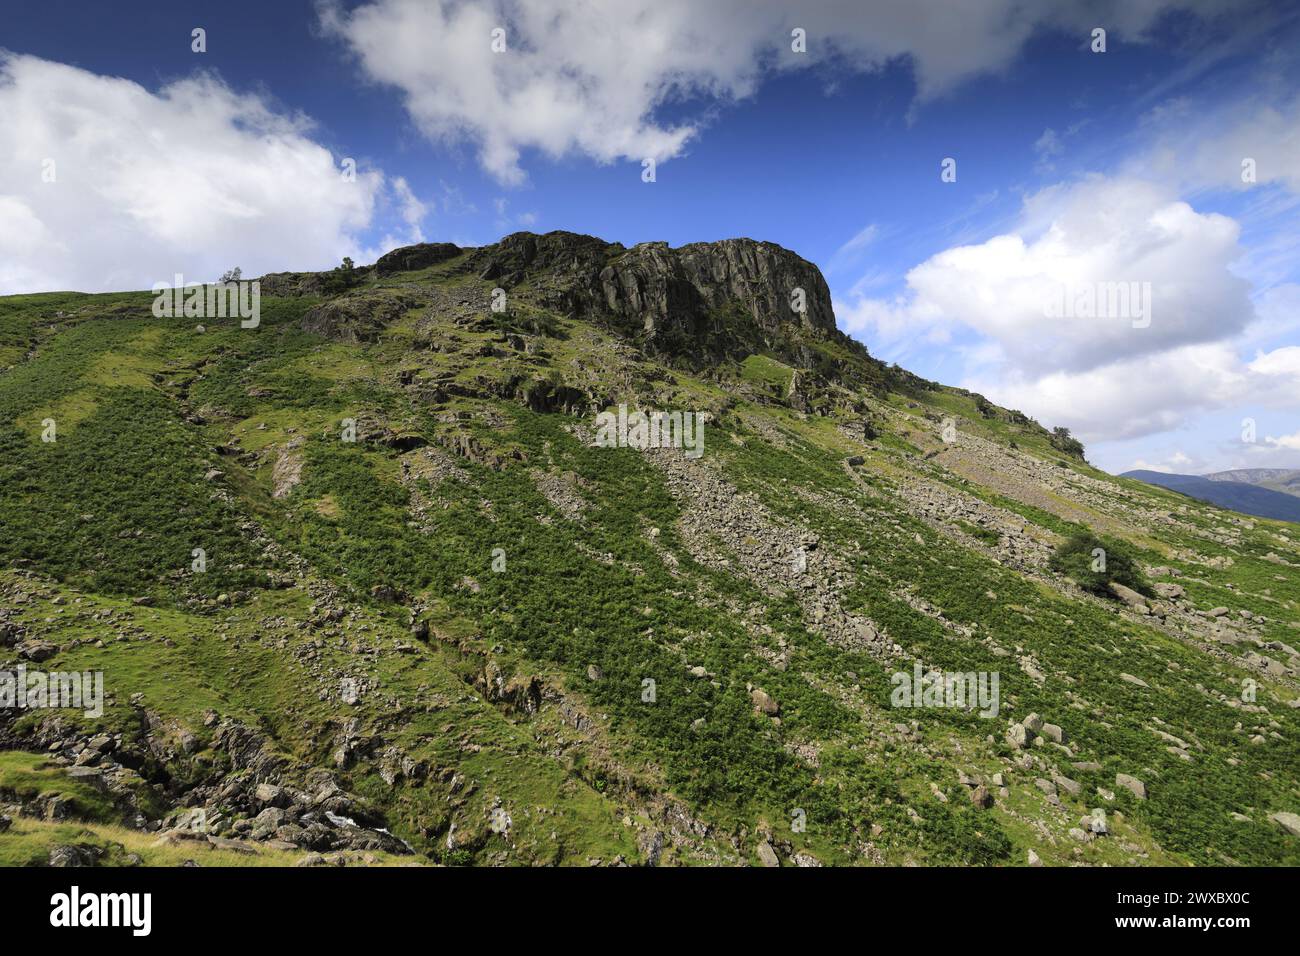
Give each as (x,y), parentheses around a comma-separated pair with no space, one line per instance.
(445,629)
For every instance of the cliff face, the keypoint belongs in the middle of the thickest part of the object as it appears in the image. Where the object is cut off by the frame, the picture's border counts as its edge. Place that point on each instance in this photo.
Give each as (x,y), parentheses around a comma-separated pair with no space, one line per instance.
(660,291)
(703,301)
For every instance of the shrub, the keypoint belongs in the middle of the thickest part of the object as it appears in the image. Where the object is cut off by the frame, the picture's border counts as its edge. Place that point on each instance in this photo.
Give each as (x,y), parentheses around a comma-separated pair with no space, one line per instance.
(1063,441)
(1093,563)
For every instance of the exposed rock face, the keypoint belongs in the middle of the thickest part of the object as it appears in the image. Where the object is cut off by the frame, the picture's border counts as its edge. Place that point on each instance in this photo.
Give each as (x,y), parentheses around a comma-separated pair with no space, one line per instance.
(358,317)
(410,258)
(667,294)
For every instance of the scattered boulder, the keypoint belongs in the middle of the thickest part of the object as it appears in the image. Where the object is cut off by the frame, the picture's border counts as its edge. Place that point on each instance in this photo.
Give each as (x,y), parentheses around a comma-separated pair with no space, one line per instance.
(37,651)
(767,855)
(1053,732)
(269,795)
(1132,784)
(763,703)
(79,854)
(1290,822)
(1072,787)
(1130,597)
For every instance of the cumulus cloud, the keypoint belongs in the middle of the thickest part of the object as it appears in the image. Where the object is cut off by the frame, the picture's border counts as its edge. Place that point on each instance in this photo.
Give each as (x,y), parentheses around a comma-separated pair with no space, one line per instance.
(1149,394)
(1129,398)
(112,186)
(1106,378)
(1084,243)
(589,77)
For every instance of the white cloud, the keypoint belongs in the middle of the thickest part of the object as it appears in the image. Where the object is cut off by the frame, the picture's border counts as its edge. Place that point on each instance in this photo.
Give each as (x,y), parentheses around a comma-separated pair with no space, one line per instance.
(1144,465)
(1177,462)
(1076,240)
(1134,398)
(588,76)
(852,251)
(1290,442)
(1129,398)
(1199,148)
(194,179)
(1047,147)
(1105,379)
(1281,362)
(507,221)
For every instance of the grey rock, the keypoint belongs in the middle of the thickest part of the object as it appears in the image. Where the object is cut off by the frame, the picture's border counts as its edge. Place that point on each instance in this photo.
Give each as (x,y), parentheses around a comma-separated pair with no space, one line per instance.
(766,855)
(1132,784)
(73,855)
(1290,822)
(763,703)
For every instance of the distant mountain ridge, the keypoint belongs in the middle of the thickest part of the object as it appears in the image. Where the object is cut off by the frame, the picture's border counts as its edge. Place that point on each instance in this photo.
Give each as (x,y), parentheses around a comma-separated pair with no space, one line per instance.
(1239,496)
(1285,480)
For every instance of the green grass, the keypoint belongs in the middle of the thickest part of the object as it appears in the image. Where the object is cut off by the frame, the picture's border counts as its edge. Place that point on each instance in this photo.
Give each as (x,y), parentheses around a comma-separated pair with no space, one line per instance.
(146,408)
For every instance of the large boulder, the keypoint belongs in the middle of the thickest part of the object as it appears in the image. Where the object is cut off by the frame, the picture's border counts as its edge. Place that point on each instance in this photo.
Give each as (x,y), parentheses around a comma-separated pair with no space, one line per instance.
(1290,822)
(1130,597)
(1132,784)
(767,856)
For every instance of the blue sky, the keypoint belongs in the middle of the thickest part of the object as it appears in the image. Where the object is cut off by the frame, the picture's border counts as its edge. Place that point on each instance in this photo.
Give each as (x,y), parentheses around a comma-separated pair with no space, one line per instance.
(1074,168)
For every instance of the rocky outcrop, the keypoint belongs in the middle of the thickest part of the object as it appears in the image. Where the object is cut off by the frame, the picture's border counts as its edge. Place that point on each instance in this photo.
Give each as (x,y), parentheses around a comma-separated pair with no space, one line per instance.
(714,293)
(411,258)
(358,317)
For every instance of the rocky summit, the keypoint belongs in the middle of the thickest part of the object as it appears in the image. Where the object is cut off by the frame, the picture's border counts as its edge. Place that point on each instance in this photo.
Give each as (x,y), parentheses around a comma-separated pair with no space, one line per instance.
(556,551)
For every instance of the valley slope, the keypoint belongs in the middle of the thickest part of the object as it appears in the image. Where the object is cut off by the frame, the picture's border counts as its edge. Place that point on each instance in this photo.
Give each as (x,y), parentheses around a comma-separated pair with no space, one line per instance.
(472,636)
